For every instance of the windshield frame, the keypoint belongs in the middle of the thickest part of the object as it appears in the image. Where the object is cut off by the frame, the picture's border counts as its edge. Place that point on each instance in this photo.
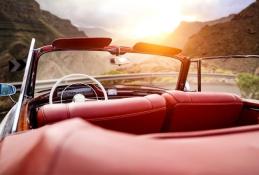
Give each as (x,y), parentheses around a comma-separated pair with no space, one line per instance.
(185,62)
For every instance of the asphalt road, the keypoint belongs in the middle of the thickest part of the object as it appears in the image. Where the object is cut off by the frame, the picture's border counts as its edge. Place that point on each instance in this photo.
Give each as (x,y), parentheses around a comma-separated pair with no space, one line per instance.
(221,88)
(229,88)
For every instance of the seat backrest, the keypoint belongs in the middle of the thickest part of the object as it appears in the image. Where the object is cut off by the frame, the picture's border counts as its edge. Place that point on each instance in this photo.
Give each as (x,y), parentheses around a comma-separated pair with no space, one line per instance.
(139,115)
(192,111)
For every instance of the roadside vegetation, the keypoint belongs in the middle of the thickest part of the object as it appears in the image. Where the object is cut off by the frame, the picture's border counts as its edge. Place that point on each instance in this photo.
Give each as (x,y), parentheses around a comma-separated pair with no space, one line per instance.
(249,85)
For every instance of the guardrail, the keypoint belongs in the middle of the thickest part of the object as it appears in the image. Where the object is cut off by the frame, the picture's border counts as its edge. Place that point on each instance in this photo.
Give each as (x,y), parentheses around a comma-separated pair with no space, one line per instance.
(49,83)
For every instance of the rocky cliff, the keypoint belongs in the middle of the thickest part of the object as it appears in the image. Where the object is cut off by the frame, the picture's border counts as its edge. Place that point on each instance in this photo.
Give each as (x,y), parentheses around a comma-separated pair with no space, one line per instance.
(186,29)
(19,22)
(238,36)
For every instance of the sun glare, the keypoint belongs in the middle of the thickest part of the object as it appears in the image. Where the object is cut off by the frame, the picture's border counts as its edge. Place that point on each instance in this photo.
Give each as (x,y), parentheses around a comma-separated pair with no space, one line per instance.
(162,18)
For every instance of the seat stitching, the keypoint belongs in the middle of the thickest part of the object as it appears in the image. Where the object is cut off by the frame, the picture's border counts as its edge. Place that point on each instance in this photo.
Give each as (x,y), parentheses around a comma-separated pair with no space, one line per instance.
(149,102)
(44,116)
(170,93)
(68,111)
(125,115)
(58,150)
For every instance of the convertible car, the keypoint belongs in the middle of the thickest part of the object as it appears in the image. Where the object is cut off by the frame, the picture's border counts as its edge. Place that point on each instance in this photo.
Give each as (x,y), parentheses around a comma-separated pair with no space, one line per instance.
(89,107)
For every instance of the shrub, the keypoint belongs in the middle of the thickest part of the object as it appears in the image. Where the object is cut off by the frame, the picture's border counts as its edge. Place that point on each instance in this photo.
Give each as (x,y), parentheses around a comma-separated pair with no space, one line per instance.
(248,85)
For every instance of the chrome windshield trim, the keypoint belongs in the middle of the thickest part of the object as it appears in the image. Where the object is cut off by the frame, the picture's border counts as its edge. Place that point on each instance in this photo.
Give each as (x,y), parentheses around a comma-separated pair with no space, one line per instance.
(23,87)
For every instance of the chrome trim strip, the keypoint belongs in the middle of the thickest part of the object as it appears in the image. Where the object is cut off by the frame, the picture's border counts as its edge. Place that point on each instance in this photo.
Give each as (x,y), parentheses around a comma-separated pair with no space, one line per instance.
(23,87)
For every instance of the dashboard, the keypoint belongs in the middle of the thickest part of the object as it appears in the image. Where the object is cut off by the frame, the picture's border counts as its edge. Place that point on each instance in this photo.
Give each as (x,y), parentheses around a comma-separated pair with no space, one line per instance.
(91,91)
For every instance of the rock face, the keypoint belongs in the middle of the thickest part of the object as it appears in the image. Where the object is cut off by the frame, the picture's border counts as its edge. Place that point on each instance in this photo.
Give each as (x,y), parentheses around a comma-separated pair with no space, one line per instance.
(97,32)
(19,22)
(238,36)
(186,29)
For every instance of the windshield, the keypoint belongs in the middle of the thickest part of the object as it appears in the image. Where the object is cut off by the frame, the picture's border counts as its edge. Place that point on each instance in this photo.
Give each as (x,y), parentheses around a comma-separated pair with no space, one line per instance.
(141,69)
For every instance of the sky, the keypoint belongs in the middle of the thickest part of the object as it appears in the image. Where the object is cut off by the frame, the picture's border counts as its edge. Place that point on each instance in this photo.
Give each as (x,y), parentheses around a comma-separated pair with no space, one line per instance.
(140,18)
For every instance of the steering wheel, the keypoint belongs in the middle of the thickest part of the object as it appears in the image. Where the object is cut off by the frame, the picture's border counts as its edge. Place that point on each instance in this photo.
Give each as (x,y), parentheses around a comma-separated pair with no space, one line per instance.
(75,75)
(61,96)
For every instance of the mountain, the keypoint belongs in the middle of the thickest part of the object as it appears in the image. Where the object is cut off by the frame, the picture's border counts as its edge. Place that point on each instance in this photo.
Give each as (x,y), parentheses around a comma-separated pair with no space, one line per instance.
(19,22)
(96,32)
(240,35)
(186,29)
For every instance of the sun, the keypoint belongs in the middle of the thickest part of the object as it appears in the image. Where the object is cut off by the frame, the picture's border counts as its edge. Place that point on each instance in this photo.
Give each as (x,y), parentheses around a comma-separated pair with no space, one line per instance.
(153,28)
(160,18)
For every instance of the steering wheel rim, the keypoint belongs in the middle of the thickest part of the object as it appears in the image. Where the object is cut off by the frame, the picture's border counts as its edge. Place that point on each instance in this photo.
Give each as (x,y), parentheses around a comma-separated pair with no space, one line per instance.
(73,75)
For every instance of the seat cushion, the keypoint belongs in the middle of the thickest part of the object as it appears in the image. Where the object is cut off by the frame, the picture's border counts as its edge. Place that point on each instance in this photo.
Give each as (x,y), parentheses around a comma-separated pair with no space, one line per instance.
(139,115)
(192,111)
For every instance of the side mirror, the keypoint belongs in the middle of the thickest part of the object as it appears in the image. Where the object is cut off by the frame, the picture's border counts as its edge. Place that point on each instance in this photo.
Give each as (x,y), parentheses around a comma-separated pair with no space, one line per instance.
(120,60)
(187,87)
(7,90)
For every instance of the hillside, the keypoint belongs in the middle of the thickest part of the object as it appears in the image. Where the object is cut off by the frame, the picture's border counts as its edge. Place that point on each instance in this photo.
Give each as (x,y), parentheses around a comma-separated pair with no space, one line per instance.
(19,22)
(186,29)
(96,32)
(238,36)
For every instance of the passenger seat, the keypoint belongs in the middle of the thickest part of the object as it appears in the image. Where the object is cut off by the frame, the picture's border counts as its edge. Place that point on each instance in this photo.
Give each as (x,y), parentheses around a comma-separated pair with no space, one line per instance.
(193,111)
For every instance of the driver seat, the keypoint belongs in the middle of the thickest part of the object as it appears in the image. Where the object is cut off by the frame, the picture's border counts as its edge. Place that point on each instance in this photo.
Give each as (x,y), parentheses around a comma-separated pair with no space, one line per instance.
(137,115)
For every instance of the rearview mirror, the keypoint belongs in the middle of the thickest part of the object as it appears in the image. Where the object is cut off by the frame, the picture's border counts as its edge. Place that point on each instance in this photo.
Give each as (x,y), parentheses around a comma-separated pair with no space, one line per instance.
(7,90)
(120,60)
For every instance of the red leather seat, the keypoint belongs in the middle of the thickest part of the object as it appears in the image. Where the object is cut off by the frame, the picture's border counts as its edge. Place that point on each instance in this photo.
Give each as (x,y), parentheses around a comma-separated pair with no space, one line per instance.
(76,147)
(192,111)
(139,115)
